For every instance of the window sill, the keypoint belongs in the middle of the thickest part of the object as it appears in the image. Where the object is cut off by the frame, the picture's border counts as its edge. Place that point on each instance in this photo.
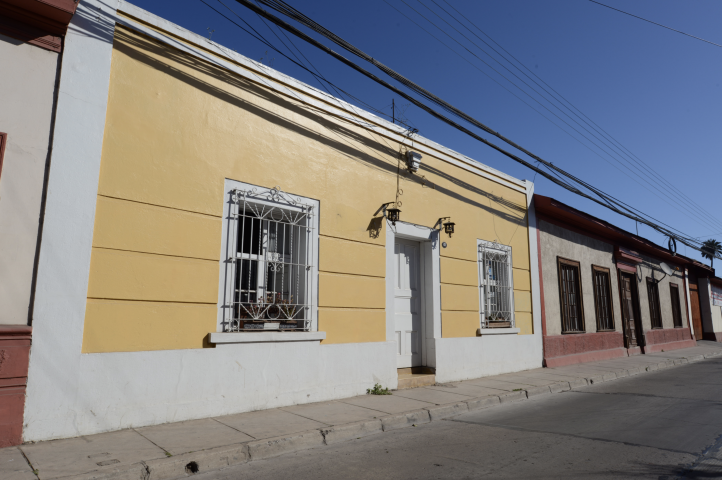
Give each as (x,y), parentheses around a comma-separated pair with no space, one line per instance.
(266,337)
(498,331)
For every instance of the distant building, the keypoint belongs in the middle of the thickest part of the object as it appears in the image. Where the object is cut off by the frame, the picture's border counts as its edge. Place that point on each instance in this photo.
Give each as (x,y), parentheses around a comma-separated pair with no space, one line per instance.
(605,293)
(31,48)
(219,238)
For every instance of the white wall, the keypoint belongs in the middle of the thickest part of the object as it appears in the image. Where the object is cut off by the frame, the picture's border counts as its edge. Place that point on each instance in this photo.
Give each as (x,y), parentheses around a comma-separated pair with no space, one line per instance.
(474,357)
(112,391)
(27,83)
(711,314)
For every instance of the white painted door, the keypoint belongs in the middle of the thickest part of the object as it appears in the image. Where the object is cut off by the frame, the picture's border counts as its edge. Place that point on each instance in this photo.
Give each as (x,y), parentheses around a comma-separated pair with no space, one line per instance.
(407,303)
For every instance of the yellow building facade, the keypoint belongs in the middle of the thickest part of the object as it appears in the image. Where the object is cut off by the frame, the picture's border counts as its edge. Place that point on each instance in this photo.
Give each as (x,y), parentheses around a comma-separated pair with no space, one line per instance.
(189,129)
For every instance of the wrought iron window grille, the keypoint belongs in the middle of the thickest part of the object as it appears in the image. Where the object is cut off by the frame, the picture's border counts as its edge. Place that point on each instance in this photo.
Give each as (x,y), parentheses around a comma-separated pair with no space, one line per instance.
(271,260)
(570,296)
(496,290)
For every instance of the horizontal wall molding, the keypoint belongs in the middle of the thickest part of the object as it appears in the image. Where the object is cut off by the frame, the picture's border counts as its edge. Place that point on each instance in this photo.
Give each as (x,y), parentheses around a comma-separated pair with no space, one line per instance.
(121,199)
(183,257)
(353,240)
(263,337)
(350,274)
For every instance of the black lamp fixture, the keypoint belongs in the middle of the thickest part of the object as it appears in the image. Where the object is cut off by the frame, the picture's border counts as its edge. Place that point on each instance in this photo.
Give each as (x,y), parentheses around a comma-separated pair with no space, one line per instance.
(448,226)
(393,214)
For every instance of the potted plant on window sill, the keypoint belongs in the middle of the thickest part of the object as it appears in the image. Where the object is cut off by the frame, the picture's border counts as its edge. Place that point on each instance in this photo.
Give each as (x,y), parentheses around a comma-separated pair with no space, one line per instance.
(499,322)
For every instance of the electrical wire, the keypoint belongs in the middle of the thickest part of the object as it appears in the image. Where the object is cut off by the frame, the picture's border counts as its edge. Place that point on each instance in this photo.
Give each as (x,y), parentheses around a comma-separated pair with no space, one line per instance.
(302,66)
(658,24)
(569,106)
(261,39)
(602,198)
(654,184)
(291,12)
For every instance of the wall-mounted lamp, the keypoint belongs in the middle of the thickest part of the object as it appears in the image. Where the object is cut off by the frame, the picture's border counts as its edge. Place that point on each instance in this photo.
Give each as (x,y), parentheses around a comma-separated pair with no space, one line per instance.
(393,214)
(413,161)
(448,226)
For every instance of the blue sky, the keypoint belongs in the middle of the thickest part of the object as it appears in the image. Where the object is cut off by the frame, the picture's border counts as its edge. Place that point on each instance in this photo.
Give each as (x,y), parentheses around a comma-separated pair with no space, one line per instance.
(654,91)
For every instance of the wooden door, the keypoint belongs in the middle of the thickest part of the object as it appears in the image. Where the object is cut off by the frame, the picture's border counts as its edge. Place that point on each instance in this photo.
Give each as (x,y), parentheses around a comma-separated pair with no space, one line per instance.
(696,312)
(407,304)
(629,310)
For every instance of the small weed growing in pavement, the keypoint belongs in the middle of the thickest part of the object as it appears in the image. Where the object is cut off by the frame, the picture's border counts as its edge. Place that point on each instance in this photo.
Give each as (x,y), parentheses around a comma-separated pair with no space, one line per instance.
(517,390)
(378,390)
(168,454)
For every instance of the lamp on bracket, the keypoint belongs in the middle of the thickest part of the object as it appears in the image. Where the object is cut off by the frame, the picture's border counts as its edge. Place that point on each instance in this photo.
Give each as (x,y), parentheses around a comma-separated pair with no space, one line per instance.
(448,226)
(392,214)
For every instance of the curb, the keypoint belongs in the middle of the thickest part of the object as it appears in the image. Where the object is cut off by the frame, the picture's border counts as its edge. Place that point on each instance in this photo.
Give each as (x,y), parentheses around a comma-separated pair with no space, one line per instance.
(342,433)
(401,420)
(216,458)
(272,447)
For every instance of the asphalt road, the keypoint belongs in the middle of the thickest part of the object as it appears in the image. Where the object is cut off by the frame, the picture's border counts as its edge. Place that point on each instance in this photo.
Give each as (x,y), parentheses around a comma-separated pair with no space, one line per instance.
(663,425)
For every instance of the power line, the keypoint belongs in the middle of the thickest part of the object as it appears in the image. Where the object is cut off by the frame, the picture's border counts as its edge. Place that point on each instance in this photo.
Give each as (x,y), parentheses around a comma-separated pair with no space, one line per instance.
(291,12)
(655,23)
(262,39)
(571,107)
(603,198)
(644,177)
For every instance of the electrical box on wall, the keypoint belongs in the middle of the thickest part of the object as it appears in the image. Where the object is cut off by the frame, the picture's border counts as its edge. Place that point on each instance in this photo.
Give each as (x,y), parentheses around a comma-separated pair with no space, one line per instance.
(413,161)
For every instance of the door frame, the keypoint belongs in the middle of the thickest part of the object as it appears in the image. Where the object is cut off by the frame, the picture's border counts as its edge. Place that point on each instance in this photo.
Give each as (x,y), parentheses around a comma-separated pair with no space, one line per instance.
(641,340)
(428,239)
(693,286)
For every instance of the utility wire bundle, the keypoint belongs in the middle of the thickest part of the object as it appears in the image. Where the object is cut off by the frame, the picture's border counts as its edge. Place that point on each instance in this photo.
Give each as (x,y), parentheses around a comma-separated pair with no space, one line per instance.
(556,175)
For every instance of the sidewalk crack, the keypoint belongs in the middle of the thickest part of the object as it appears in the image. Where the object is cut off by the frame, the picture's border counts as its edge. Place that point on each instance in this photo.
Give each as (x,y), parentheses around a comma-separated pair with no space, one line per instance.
(35,472)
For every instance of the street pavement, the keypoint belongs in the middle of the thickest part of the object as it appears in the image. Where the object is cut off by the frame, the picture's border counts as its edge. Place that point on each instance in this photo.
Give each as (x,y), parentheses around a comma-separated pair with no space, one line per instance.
(666,424)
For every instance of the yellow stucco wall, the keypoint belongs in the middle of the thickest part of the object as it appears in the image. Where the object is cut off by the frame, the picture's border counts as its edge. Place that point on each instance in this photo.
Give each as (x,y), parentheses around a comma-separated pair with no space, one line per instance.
(176,127)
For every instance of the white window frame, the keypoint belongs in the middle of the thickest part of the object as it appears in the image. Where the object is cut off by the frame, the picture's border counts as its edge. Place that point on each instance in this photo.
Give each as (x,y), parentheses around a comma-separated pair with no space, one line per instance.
(264,198)
(483,246)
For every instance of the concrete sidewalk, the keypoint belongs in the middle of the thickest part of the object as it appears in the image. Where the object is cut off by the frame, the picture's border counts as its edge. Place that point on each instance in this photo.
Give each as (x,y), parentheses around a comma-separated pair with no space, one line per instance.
(177,449)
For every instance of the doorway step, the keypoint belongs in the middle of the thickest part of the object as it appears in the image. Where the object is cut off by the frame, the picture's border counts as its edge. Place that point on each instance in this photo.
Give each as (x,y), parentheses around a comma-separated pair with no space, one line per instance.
(416,377)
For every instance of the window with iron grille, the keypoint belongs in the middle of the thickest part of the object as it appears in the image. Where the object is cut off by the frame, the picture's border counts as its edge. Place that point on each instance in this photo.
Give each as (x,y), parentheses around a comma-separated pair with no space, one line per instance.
(570,291)
(271,279)
(676,307)
(496,285)
(603,299)
(3,141)
(654,310)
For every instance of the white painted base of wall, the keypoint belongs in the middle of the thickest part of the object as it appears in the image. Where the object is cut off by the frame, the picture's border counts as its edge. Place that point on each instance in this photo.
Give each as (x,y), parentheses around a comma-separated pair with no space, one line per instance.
(124,390)
(473,357)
